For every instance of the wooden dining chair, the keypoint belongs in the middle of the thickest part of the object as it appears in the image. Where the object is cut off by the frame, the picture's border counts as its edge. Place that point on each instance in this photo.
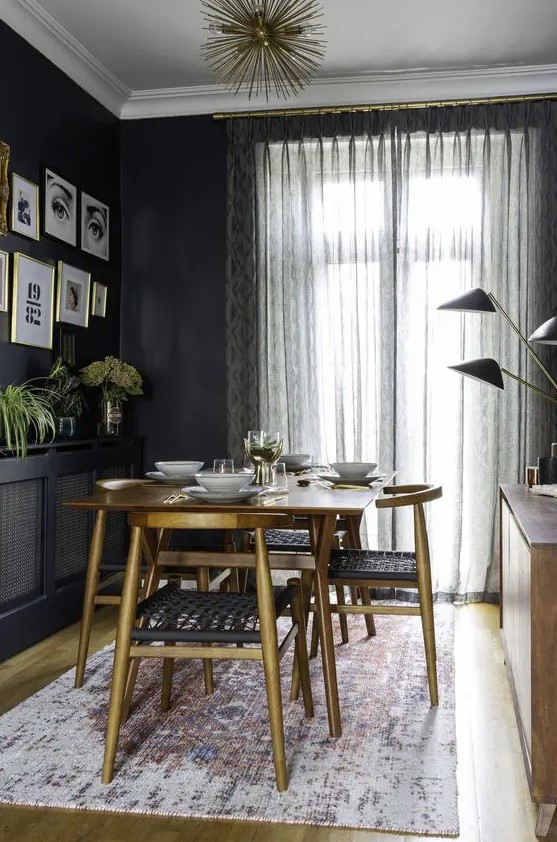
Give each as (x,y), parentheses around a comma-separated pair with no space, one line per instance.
(208,625)
(100,577)
(395,569)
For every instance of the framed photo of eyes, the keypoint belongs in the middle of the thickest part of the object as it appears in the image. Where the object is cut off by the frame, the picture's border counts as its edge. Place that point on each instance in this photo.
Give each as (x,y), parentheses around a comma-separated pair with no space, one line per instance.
(95,227)
(59,207)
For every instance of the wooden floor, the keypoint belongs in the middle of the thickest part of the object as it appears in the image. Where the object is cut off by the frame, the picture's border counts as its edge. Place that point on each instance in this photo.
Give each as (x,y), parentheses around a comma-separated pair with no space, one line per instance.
(493,793)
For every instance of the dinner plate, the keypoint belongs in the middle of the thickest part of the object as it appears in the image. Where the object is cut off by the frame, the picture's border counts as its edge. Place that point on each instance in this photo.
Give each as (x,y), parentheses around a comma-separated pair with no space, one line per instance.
(223,497)
(158,476)
(363,481)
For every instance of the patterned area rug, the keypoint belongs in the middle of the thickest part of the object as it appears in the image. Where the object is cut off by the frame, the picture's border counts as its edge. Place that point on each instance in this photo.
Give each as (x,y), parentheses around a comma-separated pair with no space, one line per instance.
(393,769)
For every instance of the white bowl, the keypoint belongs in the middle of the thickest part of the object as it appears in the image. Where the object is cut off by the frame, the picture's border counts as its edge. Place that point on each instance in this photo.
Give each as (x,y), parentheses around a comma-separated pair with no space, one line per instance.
(178,469)
(295,460)
(353,469)
(223,483)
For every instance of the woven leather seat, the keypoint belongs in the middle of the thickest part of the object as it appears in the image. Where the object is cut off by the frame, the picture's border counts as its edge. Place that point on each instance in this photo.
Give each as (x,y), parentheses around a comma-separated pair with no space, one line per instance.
(360,564)
(207,624)
(174,614)
(394,569)
(287,540)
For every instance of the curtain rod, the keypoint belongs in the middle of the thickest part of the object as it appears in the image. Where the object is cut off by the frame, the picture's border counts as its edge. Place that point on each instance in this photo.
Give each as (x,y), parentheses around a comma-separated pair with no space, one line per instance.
(390,106)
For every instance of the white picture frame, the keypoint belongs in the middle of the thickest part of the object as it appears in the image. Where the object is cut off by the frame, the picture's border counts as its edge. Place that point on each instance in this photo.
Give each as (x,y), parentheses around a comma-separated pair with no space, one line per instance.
(95,227)
(98,300)
(60,208)
(4,281)
(74,287)
(32,302)
(25,207)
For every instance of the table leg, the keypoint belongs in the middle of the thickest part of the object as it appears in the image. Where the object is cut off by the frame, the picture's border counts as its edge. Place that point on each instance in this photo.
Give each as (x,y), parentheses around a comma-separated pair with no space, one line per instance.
(321,531)
(91,585)
(354,523)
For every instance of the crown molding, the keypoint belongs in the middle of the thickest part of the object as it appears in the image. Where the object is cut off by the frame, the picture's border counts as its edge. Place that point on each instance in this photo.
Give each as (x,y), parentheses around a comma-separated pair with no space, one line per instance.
(389,87)
(29,19)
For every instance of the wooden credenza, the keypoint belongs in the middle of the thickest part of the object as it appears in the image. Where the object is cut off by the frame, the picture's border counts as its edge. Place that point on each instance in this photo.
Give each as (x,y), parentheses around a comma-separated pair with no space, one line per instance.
(529,631)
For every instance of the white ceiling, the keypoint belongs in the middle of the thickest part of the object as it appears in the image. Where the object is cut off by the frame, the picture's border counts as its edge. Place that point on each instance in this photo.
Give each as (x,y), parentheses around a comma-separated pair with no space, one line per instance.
(148,51)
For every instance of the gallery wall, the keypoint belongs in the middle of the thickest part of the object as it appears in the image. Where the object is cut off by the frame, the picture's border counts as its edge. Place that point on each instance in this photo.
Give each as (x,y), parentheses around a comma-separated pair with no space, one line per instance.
(174,231)
(49,121)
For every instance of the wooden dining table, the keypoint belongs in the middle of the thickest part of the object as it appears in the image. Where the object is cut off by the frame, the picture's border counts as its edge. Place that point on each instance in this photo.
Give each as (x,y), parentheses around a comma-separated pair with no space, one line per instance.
(320,505)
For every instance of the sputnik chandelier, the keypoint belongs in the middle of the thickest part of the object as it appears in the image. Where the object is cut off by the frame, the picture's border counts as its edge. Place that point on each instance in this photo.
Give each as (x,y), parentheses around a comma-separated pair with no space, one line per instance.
(263,46)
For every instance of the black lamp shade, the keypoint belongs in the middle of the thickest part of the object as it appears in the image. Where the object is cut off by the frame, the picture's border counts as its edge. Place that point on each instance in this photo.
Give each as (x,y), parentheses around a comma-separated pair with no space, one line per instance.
(546,334)
(485,369)
(474,301)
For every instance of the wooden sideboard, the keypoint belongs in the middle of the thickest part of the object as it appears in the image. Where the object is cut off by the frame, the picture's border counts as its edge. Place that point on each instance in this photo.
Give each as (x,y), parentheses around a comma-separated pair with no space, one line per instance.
(529,630)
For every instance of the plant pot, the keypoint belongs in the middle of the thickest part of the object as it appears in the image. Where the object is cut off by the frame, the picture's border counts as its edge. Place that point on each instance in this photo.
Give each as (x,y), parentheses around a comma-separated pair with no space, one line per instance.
(111,419)
(67,427)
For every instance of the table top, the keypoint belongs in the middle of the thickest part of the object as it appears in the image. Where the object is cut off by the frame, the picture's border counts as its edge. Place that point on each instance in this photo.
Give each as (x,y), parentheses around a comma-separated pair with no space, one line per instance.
(312,500)
(535,513)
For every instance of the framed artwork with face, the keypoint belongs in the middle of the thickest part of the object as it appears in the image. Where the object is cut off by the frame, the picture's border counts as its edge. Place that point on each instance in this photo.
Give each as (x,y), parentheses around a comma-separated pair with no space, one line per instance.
(25,207)
(95,227)
(59,208)
(32,302)
(73,295)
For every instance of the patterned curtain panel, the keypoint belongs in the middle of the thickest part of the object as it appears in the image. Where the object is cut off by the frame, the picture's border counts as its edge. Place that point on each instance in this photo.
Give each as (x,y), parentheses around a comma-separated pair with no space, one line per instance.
(345,234)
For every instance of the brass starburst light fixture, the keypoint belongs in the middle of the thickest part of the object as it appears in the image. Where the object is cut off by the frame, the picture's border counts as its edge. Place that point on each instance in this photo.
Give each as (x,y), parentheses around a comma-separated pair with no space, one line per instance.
(271,45)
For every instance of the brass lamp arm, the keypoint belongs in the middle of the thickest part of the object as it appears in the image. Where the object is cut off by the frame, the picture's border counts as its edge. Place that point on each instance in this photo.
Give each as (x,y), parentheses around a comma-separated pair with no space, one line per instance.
(530,385)
(528,347)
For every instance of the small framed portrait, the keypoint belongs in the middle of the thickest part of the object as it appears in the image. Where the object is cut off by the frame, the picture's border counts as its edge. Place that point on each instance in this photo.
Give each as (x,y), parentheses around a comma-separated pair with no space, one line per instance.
(95,227)
(99,300)
(4,260)
(25,207)
(32,302)
(59,217)
(74,288)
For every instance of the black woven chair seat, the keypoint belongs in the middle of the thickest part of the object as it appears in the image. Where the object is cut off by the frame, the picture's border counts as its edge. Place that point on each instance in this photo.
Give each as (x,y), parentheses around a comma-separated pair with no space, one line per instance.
(183,616)
(288,540)
(372,564)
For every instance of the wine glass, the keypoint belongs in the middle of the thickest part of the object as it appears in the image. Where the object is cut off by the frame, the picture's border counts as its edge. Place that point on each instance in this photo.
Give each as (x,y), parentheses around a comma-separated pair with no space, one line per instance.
(263,449)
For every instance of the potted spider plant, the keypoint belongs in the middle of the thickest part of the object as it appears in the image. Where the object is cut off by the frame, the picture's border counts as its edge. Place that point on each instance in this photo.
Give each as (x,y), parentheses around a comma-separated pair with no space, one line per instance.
(24,411)
(64,393)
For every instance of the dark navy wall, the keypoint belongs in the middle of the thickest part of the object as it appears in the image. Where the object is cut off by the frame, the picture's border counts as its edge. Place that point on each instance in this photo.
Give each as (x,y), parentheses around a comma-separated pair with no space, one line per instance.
(174,226)
(49,120)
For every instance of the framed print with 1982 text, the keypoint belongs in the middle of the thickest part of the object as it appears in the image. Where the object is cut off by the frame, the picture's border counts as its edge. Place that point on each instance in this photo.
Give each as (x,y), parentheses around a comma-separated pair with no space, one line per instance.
(73,295)
(32,302)
(59,208)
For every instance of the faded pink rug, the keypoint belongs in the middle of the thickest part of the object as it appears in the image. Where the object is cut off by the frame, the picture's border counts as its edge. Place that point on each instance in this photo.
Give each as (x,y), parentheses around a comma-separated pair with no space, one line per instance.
(393,769)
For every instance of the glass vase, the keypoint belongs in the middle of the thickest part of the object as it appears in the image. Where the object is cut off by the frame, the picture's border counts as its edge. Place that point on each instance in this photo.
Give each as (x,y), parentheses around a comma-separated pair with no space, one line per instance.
(110,423)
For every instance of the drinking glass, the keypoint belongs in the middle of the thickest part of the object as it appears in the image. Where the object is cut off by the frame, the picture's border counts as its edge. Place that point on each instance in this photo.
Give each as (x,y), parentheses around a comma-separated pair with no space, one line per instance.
(278,476)
(223,466)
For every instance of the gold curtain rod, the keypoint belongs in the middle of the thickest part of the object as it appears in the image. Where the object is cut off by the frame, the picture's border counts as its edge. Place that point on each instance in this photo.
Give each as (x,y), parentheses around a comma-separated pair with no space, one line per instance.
(390,106)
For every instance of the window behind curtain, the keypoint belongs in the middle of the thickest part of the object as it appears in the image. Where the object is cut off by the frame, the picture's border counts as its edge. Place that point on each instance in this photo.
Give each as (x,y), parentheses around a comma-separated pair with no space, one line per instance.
(358,241)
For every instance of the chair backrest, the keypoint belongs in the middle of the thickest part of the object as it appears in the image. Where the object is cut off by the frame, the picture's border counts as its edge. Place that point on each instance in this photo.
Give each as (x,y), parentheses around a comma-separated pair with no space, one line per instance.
(413,495)
(117,484)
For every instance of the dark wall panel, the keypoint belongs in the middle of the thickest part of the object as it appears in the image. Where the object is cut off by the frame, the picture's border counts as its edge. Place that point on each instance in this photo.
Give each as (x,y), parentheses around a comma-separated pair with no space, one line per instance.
(48,120)
(174,212)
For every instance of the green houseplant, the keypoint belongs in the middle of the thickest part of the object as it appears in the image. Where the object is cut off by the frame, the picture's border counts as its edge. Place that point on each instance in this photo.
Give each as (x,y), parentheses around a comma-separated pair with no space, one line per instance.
(24,410)
(64,393)
(116,381)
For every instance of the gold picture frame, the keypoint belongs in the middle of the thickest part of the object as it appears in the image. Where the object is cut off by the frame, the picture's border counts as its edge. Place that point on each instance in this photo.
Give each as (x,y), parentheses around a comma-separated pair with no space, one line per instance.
(74,291)
(98,301)
(4,281)
(25,207)
(32,301)
(4,186)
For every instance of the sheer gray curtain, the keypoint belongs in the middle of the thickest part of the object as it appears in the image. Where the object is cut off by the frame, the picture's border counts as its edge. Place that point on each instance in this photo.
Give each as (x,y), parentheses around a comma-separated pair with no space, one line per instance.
(344,237)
